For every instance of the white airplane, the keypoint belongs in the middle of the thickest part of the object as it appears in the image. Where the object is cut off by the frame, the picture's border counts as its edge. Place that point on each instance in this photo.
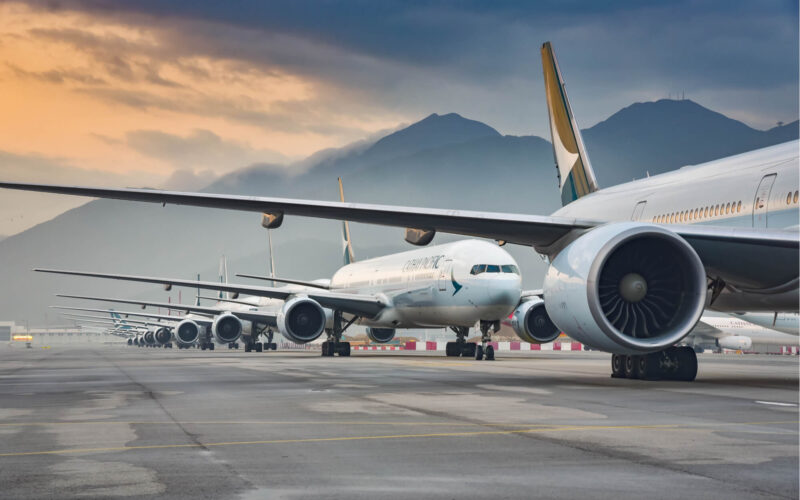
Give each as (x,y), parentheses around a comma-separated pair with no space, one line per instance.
(782,322)
(632,267)
(732,332)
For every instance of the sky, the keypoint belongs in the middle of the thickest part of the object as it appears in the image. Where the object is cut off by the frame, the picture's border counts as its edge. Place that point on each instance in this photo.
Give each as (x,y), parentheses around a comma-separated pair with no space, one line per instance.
(174,94)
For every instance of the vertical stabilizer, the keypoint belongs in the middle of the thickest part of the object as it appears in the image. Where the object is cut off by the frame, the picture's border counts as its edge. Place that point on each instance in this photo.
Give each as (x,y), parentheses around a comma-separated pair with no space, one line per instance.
(223,276)
(349,258)
(575,174)
(197,297)
(271,257)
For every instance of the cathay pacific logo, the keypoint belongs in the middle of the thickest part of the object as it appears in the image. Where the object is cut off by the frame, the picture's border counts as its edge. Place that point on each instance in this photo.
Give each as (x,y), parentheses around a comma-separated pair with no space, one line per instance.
(456,285)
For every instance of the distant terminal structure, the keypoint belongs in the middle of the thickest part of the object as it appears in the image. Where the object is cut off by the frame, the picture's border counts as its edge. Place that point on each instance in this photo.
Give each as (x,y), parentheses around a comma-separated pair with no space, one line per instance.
(10,332)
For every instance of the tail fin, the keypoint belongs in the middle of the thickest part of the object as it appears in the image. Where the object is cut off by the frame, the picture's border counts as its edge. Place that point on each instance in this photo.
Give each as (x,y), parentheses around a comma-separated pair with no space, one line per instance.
(197,297)
(223,276)
(575,175)
(349,258)
(271,257)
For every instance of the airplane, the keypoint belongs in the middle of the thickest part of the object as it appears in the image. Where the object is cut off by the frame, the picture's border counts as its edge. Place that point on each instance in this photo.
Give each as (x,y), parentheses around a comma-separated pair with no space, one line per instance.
(734,333)
(631,267)
(782,322)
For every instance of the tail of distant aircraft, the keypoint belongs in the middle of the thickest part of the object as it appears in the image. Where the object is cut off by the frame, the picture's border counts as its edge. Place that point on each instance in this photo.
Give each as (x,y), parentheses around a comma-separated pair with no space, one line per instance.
(575,175)
(349,258)
(223,276)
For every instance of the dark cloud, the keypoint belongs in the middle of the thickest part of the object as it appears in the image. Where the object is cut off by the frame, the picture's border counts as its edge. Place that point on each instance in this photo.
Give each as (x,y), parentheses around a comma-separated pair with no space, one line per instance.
(481,58)
(58,76)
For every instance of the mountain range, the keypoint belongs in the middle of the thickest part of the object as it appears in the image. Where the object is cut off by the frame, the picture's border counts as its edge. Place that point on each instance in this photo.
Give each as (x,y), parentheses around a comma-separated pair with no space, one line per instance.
(444,161)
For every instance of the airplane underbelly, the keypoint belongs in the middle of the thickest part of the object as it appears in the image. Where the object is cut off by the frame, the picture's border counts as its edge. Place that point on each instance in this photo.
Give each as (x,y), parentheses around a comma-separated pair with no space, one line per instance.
(786,301)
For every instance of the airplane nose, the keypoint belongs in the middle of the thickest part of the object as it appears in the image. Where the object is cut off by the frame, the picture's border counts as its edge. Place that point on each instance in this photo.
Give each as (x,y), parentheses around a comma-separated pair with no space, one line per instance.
(505,292)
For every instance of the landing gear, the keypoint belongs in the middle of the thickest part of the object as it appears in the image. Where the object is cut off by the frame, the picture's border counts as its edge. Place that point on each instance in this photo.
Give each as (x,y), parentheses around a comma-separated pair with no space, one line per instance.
(334,344)
(674,363)
(461,347)
(259,347)
(235,345)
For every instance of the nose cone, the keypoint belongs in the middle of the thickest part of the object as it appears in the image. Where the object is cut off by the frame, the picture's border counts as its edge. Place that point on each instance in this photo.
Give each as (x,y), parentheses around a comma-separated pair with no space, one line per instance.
(505,291)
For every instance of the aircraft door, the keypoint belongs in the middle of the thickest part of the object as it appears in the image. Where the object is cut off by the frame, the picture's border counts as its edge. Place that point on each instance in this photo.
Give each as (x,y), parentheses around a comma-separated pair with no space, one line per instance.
(638,209)
(444,274)
(761,202)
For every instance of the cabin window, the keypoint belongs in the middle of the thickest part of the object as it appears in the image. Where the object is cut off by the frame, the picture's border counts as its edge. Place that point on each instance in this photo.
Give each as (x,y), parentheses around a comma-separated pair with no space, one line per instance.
(510,268)
(795,196)
(478,269)
(671,218)
(716,210)
(739,207)
(728,208)
(789,198)
(492,269)
(705,212)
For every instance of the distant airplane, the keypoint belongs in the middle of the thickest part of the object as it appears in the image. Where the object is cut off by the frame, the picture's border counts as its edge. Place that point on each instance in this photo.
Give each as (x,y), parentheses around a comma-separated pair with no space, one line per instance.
(732,332)
(631,267)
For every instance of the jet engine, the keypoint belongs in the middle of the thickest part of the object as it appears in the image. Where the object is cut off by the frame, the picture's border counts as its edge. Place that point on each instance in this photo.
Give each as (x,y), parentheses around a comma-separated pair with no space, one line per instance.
(226,328)
(187,332)
(735,342)
(532,324)
(626,288)
(301,320)
(149,338)
(162,335)
(380,335)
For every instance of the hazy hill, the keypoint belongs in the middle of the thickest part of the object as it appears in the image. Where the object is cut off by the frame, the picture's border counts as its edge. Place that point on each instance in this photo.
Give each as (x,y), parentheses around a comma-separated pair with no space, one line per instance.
(441,161)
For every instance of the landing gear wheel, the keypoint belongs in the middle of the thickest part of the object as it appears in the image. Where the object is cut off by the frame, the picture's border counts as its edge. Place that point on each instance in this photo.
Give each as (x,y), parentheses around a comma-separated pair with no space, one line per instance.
(468,349)
(479,353)
(210,347)
(273,346)
(451,349)
(489,353)
(324,348)
(617,366)
(203,347)
(632,367)
(343,349)
(687,364)
(248,347)
(649,367)
(259,347)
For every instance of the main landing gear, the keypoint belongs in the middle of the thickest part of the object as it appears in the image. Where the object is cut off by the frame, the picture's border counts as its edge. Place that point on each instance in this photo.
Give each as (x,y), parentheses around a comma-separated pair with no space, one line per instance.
(675,363)
(252,345)
(334,345)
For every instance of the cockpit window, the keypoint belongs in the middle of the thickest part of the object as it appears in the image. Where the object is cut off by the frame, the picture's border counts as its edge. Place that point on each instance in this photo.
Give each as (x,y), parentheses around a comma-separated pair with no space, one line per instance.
(510,268)
(491,268)
(478,269)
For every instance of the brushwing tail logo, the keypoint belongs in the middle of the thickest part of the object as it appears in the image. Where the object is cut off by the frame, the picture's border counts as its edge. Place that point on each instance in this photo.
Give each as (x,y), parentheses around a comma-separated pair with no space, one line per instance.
(456,285)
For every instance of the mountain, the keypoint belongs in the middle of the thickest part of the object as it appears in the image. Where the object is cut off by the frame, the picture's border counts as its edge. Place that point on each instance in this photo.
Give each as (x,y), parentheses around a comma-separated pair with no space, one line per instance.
(659,136)
(444,161)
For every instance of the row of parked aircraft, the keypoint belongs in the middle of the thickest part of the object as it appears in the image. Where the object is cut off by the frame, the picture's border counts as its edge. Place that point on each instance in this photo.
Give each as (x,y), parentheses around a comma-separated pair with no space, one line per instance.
(618,279)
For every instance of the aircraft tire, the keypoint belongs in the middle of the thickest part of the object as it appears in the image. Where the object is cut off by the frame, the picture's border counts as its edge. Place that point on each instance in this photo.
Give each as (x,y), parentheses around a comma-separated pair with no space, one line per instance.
(468,349)
(687,364)
(479,353)
(489,353)
(632,367)
(343,349)
(618,366)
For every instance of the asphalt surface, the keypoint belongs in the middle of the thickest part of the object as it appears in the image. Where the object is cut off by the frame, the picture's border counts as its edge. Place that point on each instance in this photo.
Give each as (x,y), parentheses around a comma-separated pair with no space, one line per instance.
(118,421)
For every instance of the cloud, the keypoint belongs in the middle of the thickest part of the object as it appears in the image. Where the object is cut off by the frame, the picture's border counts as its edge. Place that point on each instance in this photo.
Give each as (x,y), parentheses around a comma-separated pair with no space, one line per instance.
(200,148)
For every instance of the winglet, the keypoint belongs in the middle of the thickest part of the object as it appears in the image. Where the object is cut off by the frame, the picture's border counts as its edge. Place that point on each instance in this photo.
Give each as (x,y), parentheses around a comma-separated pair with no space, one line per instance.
(575,175)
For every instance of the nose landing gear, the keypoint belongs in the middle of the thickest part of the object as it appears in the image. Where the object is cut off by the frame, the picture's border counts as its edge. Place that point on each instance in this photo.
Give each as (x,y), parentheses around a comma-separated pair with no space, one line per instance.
(470,349)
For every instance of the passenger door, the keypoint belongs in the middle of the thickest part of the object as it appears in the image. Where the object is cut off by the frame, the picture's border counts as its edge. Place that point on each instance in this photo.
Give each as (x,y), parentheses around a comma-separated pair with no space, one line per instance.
(761,202)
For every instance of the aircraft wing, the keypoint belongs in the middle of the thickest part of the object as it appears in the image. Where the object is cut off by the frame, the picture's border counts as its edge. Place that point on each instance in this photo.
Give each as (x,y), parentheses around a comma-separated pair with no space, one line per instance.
(124,314)
(256,316)
(360,305)
(725,252)
(705,330)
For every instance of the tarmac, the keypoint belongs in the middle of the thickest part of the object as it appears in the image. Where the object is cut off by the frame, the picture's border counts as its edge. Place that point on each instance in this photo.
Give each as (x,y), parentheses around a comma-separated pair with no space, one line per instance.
(99,421)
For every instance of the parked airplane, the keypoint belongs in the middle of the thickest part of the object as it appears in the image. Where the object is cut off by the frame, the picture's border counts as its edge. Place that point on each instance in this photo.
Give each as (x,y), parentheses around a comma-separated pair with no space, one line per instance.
(732,332)
(631,267)
(782,322)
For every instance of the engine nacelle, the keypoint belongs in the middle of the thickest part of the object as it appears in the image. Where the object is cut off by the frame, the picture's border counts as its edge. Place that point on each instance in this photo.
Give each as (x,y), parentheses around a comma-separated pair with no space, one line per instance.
(226,328)
(301,320)
(149,338)
(626,288)
(187,332)
(380,335)
(162,335)
(735,342)
(532,324)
